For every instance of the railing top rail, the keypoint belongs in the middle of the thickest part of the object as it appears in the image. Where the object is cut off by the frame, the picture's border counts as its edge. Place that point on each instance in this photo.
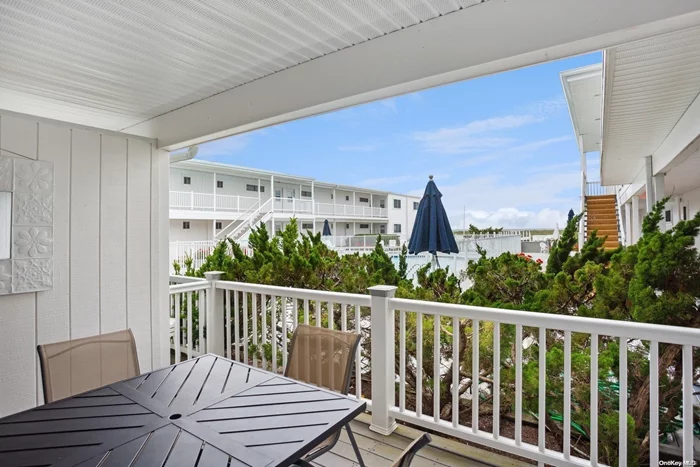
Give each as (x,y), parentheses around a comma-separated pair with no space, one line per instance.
(191,287)
(606,327)
(186,279)
(322,295)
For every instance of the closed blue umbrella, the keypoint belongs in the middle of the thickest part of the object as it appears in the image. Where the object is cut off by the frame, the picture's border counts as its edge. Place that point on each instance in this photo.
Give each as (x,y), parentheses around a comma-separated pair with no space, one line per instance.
(432,231)
(326,229)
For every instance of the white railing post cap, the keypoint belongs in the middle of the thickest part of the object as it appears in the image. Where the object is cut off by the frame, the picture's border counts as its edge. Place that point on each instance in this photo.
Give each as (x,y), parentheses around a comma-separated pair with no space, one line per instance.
(386,291)
(213,275)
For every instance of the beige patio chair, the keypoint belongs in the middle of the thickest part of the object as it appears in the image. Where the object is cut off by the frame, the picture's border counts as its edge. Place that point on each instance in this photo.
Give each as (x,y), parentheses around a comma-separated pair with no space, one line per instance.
(406,457)
(79,365)
(324,358)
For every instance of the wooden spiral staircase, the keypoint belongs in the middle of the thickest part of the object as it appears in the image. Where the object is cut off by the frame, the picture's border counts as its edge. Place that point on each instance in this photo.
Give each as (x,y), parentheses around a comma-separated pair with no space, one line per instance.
(601,215)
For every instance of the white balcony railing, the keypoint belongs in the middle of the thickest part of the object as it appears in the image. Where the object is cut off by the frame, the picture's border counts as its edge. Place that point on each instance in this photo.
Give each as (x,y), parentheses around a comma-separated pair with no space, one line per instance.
(596,189)
(259,321)
(187,200)
(348,210)
(191,201)
(293,205)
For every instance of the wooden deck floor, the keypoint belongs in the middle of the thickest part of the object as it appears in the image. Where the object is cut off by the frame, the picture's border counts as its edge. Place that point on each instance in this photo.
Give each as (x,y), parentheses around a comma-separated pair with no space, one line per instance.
(381,451)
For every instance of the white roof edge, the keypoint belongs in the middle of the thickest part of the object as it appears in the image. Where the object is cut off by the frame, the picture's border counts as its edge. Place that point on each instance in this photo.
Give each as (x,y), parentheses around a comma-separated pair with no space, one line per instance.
(568,76)
(209,166)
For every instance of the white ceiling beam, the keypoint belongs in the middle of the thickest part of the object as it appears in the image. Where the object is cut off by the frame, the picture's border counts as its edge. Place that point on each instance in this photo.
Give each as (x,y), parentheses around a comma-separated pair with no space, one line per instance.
(681,143)
(487,38)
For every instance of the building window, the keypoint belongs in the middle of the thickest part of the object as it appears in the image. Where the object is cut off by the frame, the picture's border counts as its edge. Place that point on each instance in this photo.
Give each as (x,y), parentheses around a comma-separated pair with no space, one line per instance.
(250,187)
(307,226)
(262,189)
(219,225)
(347,226)
(331,195)
(219,183)
(381,203)
(382,229)
(347,198)
(364,226)
(415,205)
(685,213)
(278,193)
(187,181)
(397,204)
(667,215)
(186,225)
(364,200)
(397,228)
(305,194)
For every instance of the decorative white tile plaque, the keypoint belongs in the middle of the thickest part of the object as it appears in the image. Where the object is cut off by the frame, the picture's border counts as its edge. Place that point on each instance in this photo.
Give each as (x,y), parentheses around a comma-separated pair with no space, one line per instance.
(30,268)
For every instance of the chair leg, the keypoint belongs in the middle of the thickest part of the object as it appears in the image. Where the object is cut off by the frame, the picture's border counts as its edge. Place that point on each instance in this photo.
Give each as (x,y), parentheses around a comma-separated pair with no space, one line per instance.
(354,445)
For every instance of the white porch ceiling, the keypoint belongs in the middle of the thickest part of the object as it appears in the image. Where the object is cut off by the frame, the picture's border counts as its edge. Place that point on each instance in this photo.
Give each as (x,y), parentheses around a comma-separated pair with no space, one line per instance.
(188,71)
(649,87)
(121,63)
(583,90)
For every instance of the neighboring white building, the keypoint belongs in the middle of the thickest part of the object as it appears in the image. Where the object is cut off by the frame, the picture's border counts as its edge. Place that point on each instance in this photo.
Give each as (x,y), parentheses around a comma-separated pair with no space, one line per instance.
(640,110)
(211,201)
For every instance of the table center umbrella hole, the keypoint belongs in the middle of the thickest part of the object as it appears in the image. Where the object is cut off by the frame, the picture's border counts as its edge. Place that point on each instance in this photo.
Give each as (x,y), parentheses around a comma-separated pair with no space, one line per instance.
(175,416)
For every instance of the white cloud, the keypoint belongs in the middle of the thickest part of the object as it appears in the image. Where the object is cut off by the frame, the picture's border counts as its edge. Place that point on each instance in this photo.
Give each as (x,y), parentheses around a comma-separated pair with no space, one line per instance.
(474,136)
(522,149)
(358,148)
(491,200)
(512,218)
(546,107)
(391,181)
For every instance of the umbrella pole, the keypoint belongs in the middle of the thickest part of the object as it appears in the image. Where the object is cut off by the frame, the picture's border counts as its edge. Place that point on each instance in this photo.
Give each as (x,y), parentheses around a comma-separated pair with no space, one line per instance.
(435,262)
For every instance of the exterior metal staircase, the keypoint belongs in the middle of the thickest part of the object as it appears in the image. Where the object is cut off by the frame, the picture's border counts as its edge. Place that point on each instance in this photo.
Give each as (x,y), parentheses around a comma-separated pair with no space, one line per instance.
(602,215)
(238,231)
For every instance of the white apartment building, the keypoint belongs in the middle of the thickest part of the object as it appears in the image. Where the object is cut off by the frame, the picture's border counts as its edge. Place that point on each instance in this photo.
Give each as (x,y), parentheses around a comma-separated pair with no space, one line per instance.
(210,201)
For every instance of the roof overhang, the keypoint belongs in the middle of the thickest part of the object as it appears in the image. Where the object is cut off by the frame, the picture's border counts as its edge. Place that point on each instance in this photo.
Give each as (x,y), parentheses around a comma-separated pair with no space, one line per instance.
(651,105)
(583,91)
(191,72)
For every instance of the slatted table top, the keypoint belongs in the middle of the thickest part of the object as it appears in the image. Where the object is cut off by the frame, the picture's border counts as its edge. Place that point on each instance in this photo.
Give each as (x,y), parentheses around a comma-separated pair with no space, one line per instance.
(207,411)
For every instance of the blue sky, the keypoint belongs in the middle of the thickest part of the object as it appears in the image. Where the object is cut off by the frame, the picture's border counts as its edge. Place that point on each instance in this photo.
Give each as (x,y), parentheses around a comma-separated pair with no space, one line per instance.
(501,145)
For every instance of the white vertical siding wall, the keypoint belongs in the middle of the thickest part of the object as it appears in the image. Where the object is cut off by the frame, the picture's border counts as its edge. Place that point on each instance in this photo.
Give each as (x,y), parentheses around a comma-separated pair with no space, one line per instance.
(110,250)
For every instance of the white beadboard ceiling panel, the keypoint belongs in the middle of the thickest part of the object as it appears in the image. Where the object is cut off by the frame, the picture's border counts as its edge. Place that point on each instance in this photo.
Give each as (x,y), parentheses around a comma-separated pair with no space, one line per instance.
(118,63)
(583,90)
(649,86)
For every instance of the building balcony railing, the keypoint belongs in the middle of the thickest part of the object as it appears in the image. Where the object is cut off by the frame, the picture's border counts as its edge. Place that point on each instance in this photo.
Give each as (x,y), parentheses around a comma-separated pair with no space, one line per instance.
(323,209)
(192,201)
(253,323)
(188,200)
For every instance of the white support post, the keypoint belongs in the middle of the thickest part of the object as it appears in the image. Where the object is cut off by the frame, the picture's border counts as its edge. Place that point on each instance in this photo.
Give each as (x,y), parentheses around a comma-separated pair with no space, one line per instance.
(214,191)
(313,204)
(659,194)
(383,373)
(628,224)
(649,184)
(636,227)
(259,193)
(272,196)
(354,198)
(334,200)
(215,315)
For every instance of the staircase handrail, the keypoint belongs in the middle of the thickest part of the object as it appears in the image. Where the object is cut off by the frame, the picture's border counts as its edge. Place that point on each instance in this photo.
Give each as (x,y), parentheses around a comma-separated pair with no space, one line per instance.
(620,228)
(254,207)
(248,222)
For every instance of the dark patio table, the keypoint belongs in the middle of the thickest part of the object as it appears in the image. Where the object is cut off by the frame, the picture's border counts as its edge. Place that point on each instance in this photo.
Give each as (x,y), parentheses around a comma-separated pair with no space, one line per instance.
(207,411)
